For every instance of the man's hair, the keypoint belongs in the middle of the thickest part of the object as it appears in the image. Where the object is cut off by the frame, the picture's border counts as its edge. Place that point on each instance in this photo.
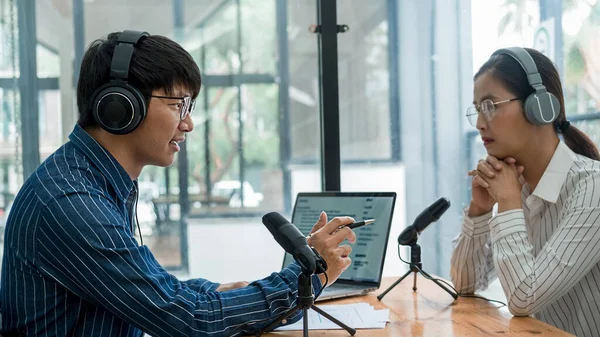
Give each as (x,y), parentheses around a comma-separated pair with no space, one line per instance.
(157,63)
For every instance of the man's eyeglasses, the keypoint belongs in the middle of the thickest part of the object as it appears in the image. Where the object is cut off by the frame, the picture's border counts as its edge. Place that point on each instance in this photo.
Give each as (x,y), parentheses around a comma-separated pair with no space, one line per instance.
(487,108)
(187,105)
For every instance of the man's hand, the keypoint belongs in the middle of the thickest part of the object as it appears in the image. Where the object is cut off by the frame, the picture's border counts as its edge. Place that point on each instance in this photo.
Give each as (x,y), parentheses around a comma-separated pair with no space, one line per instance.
(320,223)
(231,286)
(326,238)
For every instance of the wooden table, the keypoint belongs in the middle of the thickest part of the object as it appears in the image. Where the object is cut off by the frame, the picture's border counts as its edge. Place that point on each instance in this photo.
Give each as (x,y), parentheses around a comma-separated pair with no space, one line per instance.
(432,312)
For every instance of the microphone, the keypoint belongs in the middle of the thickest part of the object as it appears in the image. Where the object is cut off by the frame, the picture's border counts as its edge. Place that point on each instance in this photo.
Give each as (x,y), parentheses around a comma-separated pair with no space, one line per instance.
(291,240)
(431,214)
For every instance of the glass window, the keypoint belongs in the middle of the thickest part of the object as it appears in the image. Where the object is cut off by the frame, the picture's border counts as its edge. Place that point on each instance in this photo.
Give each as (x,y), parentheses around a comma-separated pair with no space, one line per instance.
(220,38)
(274,109)
(11,168)
(580,31)
(369,126)
(48,62)
(303,87)
(258,29)
(364,85)
(497,23)
(50,132)
(213,151)
(9,51)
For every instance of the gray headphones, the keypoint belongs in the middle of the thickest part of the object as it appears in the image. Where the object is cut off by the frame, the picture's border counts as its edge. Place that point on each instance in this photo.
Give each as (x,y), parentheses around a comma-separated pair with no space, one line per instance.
(541,107)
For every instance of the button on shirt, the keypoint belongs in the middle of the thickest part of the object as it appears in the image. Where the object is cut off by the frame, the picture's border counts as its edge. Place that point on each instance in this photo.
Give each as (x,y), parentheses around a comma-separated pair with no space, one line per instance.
(72,266)
(546,254)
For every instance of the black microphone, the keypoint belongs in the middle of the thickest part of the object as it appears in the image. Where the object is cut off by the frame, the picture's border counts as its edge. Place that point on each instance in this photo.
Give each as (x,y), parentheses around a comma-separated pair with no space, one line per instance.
(291,240)
(431,214)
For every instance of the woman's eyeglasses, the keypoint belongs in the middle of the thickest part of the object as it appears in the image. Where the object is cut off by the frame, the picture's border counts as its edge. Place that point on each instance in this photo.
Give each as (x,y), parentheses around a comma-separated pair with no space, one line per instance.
(487,108)
(187,105)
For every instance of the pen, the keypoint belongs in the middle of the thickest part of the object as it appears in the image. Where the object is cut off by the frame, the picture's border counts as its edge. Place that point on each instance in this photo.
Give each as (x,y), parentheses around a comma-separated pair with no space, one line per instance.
(359,224)
(352,225)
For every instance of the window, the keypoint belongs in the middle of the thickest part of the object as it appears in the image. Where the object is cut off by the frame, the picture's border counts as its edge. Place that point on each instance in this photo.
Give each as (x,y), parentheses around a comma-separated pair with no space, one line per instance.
(580,31)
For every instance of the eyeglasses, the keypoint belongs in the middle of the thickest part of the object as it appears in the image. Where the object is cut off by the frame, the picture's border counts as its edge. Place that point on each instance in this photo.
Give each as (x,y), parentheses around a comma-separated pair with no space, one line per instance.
(187,105)
(487,108)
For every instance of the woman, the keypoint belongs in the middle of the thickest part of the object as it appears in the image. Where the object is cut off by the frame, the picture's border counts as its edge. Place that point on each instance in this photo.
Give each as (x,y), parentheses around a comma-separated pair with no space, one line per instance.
(544,176)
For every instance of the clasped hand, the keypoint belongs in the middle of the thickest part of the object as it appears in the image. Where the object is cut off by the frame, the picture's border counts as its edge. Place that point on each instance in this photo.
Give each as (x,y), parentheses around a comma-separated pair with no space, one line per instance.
(497,180)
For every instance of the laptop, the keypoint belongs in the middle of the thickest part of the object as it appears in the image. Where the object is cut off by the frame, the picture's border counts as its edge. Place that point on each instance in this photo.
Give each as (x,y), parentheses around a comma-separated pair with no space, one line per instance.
(368,253)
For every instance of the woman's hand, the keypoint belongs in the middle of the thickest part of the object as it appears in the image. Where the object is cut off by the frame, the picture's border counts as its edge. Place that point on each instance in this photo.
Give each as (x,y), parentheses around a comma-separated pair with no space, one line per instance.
(494,181)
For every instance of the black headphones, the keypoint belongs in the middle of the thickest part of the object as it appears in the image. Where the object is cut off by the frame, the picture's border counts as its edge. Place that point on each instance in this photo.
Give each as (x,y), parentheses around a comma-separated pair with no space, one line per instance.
(119,107)
(541,107)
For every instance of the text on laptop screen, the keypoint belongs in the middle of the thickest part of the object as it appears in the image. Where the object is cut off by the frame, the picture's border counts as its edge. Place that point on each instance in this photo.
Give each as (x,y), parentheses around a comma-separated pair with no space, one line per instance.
(371,240)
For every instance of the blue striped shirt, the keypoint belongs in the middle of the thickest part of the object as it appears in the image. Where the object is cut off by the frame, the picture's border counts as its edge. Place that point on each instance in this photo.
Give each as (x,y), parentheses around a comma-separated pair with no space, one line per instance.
(72,266)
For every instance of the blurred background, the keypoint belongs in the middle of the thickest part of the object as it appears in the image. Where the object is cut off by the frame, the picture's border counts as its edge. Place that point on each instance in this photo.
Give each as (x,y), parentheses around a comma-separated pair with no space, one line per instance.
(284,110)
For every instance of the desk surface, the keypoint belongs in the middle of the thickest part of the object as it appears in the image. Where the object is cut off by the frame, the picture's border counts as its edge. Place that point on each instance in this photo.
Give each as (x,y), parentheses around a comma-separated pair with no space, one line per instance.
(431,312)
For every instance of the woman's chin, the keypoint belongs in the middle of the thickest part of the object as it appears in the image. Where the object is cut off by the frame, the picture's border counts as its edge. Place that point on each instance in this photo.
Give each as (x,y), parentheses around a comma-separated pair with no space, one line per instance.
(499,154)
(495,153)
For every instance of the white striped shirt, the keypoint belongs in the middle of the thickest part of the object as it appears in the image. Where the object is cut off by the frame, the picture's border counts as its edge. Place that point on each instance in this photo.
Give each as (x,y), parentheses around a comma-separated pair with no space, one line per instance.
(546,254)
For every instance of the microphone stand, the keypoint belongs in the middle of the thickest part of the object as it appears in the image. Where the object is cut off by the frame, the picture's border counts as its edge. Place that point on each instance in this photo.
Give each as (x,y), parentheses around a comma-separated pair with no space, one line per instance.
(416,266)
(306,301)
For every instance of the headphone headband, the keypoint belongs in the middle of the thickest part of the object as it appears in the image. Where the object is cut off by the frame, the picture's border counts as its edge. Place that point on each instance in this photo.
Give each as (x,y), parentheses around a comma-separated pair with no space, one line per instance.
(525,60)
(119,67)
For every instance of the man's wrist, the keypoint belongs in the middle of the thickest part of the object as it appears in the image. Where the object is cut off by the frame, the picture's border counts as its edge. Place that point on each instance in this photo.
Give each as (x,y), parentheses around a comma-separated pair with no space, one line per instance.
(322,278)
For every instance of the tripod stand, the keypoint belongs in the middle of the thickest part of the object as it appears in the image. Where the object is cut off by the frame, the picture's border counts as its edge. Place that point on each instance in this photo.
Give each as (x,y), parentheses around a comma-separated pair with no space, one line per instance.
(306,301)
(416,266)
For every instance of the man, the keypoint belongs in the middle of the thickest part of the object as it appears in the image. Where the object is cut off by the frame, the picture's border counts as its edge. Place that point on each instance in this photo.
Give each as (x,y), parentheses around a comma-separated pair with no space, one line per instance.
(72,266)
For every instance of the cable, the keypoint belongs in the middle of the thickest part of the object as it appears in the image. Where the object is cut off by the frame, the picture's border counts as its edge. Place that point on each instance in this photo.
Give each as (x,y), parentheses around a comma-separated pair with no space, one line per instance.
(137,221)
(138,226)
(325,285)
(448,284)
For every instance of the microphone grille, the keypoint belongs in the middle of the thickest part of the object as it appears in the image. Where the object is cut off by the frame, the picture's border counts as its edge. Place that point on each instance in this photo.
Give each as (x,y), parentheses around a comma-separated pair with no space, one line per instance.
(274,218)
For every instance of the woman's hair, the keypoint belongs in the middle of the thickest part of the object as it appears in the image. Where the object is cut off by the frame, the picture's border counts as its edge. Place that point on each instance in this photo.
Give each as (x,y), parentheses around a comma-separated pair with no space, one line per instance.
(507,70)
(157,63)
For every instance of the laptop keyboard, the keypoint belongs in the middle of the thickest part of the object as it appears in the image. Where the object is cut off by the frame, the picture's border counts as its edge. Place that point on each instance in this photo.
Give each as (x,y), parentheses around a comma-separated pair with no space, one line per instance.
(342,290)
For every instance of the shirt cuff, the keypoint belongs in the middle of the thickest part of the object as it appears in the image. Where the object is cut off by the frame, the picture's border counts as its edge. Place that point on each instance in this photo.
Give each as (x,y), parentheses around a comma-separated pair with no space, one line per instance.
(507,223)
(214,286)
(477,225)
(202,285)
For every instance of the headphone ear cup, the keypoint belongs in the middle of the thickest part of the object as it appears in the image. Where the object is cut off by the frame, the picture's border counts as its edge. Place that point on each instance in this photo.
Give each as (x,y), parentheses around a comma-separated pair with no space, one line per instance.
(119,109)
(139,112)
(541,109)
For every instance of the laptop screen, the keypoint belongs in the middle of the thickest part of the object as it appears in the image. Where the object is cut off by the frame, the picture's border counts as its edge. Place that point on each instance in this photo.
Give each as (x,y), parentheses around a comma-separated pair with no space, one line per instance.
(368,253)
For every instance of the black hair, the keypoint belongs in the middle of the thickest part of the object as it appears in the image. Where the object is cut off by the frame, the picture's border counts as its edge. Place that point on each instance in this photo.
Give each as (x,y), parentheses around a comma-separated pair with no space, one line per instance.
(507,70)
(157,63)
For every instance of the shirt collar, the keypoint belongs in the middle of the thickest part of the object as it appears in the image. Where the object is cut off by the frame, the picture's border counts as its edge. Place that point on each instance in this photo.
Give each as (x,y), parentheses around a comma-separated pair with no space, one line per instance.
(550,185)
(104,161)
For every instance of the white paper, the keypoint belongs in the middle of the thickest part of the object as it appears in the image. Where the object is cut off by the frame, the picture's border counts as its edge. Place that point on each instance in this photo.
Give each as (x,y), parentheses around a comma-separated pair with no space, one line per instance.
(355,315)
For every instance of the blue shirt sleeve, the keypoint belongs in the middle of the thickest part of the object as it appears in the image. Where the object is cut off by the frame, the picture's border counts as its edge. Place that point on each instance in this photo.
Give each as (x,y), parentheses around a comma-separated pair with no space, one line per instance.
(83,243)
